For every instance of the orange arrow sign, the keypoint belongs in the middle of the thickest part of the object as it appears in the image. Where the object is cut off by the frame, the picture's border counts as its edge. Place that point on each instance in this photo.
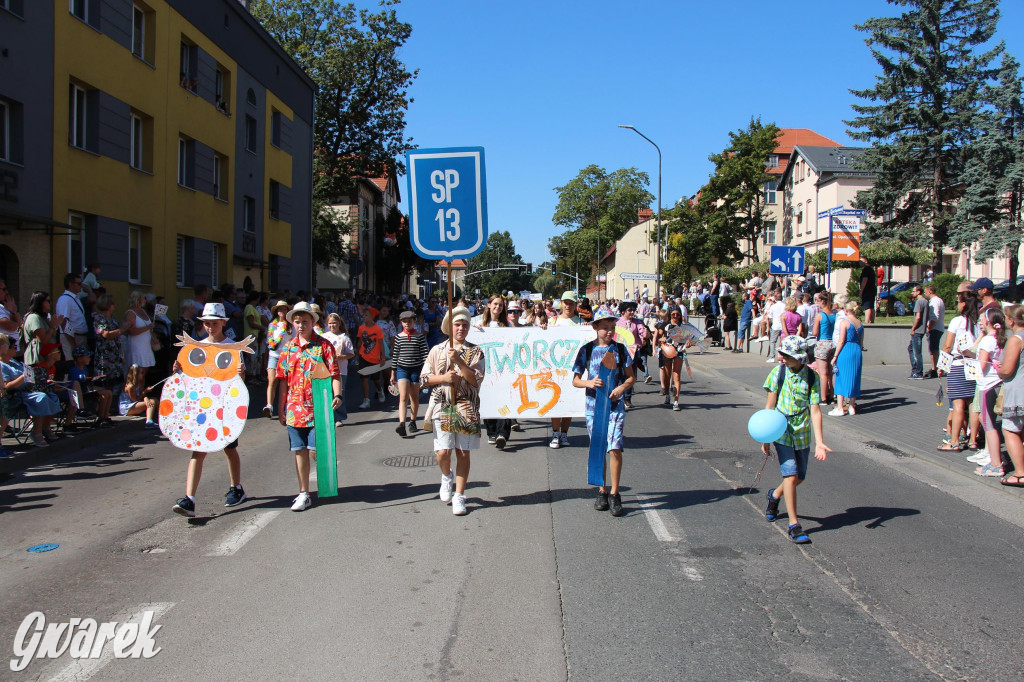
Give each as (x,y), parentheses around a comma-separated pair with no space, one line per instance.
(845,246)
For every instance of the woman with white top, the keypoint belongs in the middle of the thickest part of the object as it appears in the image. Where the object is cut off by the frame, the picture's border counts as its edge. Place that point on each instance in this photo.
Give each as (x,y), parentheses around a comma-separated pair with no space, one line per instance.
(961,334)
(140,336)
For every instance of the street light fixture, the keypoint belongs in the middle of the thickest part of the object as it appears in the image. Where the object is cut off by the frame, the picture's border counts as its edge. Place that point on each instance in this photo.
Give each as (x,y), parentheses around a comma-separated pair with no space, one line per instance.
(629,127)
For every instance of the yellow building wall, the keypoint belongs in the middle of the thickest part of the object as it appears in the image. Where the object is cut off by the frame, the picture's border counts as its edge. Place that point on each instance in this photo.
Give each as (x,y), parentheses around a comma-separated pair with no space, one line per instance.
(277,234)
(93,184)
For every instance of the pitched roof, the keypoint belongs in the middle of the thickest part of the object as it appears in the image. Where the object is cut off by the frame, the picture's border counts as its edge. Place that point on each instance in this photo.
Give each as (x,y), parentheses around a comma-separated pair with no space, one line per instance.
(831,161)
(457,263)
(791,137)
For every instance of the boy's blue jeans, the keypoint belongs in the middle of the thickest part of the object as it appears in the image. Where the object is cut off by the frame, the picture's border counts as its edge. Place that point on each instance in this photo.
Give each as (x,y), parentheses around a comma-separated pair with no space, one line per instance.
(916,359)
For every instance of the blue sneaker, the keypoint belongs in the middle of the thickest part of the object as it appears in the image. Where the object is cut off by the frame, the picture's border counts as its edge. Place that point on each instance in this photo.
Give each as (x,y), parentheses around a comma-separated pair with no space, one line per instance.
(772,512)
(185,507)
(797,534)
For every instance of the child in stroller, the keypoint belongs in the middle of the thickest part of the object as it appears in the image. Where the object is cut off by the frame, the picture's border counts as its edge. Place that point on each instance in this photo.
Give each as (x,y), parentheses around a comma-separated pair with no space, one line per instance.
(712,330)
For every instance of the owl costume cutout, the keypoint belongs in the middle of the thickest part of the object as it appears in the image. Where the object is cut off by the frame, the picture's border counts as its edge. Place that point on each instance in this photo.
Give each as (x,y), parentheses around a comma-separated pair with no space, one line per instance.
(203,407)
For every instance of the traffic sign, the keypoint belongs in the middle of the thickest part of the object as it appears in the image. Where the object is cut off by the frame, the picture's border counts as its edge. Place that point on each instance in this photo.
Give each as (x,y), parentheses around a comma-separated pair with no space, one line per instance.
(840,210)
(786,260)
(845,238)
(637,275)
(447,202)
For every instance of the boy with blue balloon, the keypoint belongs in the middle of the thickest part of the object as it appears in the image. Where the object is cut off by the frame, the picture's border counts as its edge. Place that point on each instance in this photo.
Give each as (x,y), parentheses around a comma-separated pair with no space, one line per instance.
(793,395)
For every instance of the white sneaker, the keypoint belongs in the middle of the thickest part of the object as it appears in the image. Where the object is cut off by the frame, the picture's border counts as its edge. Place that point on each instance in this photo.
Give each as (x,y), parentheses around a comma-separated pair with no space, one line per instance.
(852,410)
(447,483)
(675,405)
(302,502)
(978,457)
(555,442)
(459,504)
(268,411)
(836,412)
(380,396)
(365,404)
(563,439)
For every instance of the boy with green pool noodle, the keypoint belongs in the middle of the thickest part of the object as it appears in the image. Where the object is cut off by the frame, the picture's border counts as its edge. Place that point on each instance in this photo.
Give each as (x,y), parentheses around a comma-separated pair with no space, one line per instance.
(793,391)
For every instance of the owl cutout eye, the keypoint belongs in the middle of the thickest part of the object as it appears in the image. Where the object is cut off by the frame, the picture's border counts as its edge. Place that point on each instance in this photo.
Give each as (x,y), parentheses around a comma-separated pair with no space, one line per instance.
(223,360)
(197,357)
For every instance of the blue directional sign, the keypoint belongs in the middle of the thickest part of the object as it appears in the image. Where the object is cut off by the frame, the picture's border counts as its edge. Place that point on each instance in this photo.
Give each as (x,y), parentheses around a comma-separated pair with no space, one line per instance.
(447,202)
(786,260)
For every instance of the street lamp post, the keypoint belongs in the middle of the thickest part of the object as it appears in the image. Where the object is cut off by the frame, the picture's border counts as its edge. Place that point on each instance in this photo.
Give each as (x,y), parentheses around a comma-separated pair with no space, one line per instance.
(658,285)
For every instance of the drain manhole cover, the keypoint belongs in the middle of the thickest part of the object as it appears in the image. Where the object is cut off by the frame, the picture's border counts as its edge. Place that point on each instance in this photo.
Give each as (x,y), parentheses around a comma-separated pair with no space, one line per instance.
(411,461)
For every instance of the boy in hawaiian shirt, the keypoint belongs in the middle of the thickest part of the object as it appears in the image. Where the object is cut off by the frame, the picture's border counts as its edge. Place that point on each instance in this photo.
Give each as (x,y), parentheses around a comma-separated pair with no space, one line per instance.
(295,406)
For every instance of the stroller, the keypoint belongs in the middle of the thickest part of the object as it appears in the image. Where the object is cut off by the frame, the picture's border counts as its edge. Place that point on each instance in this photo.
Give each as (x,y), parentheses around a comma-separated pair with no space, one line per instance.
(712,330)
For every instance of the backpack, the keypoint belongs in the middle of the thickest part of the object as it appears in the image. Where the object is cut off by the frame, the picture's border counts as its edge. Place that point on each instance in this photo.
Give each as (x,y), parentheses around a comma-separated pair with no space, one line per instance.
(620,357)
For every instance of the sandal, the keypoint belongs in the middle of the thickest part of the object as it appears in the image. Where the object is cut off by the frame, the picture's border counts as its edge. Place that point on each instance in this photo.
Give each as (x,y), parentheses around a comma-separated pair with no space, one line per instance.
(1018,480)
(989,471)
(949,447)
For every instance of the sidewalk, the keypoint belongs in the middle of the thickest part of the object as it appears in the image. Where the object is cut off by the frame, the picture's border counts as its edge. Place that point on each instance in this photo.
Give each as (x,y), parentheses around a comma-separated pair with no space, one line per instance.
(893,413)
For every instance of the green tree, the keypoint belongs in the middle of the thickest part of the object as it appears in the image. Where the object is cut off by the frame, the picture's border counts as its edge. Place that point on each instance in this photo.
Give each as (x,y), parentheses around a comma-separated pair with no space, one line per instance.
(361,100)
(596,207)
(989,214)
(732,204)
(922,111)
(499,250)
(545,284)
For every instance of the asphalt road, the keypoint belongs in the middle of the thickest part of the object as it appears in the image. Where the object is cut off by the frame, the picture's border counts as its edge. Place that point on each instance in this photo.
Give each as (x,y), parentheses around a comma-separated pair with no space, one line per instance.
(911,574)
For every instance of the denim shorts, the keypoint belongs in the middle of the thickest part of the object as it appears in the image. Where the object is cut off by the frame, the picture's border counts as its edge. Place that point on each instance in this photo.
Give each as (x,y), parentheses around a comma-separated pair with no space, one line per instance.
(302,438)
(403,374)
(792,462)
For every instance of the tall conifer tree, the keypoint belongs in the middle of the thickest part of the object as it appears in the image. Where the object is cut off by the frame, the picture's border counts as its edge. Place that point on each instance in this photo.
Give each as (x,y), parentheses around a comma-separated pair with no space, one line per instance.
(922,112)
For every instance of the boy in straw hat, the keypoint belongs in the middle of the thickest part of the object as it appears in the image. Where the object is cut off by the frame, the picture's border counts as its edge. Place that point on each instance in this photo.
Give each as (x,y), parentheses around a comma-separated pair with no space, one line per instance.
(453,372)
(793,391)
(299,359)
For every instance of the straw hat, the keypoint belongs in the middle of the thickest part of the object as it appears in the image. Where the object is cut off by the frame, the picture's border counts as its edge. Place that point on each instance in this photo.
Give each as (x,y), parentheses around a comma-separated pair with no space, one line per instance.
(302,307)
(280,304)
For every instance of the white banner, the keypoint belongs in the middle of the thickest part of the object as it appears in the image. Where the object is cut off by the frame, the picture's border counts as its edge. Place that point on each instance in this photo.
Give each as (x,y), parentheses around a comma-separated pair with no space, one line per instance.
(528,371)
(847,223)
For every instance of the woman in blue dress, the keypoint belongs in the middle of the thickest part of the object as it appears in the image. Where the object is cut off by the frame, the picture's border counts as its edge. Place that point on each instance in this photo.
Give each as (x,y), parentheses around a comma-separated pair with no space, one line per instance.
(848,360)
(433,317)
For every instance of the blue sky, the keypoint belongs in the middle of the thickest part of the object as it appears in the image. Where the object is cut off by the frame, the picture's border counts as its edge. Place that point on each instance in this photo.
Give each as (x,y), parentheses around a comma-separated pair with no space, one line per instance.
(542,86)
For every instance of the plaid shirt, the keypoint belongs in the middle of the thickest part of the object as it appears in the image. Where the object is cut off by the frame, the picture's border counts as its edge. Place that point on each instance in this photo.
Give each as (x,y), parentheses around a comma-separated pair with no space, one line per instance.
(350,313)
(795,400)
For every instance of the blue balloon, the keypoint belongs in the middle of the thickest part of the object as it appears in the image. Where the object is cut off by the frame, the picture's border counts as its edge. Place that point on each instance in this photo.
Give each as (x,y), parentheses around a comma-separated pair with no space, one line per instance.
(766,426)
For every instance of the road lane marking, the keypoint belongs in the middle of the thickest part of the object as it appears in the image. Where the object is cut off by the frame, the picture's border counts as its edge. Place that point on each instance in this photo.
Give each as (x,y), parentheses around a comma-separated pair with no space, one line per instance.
(244,531)
(364,437)
(83,669)
(668,531)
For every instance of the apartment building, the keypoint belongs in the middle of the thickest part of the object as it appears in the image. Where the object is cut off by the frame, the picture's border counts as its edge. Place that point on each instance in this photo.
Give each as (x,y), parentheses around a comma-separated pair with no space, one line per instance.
(180,140)
(634,252)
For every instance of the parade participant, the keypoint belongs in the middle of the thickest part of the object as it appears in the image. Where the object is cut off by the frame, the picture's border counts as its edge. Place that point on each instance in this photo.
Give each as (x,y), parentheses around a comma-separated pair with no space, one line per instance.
(279,333)
(453,371)
(588,361)
(343,352)
(496,315)
(370,344)
(674,364)
(566,318)
(296,365)
(410,350)
(214,319)
(629,321)
(793,391)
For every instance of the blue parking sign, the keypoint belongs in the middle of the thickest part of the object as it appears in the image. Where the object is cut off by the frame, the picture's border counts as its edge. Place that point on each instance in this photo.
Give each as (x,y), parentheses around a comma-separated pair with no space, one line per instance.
(447,202)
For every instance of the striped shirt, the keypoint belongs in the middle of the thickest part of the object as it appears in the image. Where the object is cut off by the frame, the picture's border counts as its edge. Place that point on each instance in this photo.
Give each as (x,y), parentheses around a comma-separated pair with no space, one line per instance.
(409,350)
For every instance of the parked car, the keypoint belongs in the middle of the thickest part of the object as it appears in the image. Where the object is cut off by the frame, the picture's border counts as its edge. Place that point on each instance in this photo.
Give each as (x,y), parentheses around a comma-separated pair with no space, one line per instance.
(897,288)
(1002,290)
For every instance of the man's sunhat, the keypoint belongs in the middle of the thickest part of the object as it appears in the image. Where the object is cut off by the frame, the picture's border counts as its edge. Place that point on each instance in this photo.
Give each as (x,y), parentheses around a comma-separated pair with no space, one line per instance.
(454,315)
(795,347)
(213,311)
(302,307)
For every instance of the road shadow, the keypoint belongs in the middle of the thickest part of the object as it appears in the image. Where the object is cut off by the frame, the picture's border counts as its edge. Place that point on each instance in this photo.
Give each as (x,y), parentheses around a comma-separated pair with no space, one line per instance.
(544,497)
(15,500)
(657,442)
(681,499)
(855,516)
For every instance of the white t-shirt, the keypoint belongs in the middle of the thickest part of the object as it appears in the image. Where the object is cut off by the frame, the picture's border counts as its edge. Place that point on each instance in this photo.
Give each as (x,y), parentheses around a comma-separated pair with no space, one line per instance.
(840,316)
(807,311)
(937,313)
(566,321)
(775,313)
(342,346)
(724,289)
(991,376)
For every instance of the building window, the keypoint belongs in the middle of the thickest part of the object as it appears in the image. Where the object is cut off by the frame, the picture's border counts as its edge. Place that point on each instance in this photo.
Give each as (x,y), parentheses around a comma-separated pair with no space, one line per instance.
(134,254)
(13,6)
(76,243)
(215,264)
(249,214)
(220,175)
(250,134)
(80,8)
(79,107)
(186,162)
(137,139)
(221,87)
(188,66)
(769,191)
(179,262)
(250,97)
(5,132)
(769,232)
(275,128)
(807,170)
(772,161)
(275,199)
(138,32)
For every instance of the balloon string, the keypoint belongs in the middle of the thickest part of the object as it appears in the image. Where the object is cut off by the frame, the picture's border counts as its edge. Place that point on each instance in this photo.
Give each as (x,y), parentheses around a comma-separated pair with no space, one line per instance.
(767,456)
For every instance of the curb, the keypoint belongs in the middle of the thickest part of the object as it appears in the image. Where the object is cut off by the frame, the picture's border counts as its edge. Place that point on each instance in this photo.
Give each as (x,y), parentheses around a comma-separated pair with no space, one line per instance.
(917,453)
(88,438)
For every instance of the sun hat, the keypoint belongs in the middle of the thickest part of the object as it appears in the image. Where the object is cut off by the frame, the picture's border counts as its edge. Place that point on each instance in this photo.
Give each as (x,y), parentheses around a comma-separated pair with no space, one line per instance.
(280,304)
(454,315)
(316,309)
(603,313)
(213,311)
(795,347)
(514,305)
(80,351)
(302,307)
(569,296)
